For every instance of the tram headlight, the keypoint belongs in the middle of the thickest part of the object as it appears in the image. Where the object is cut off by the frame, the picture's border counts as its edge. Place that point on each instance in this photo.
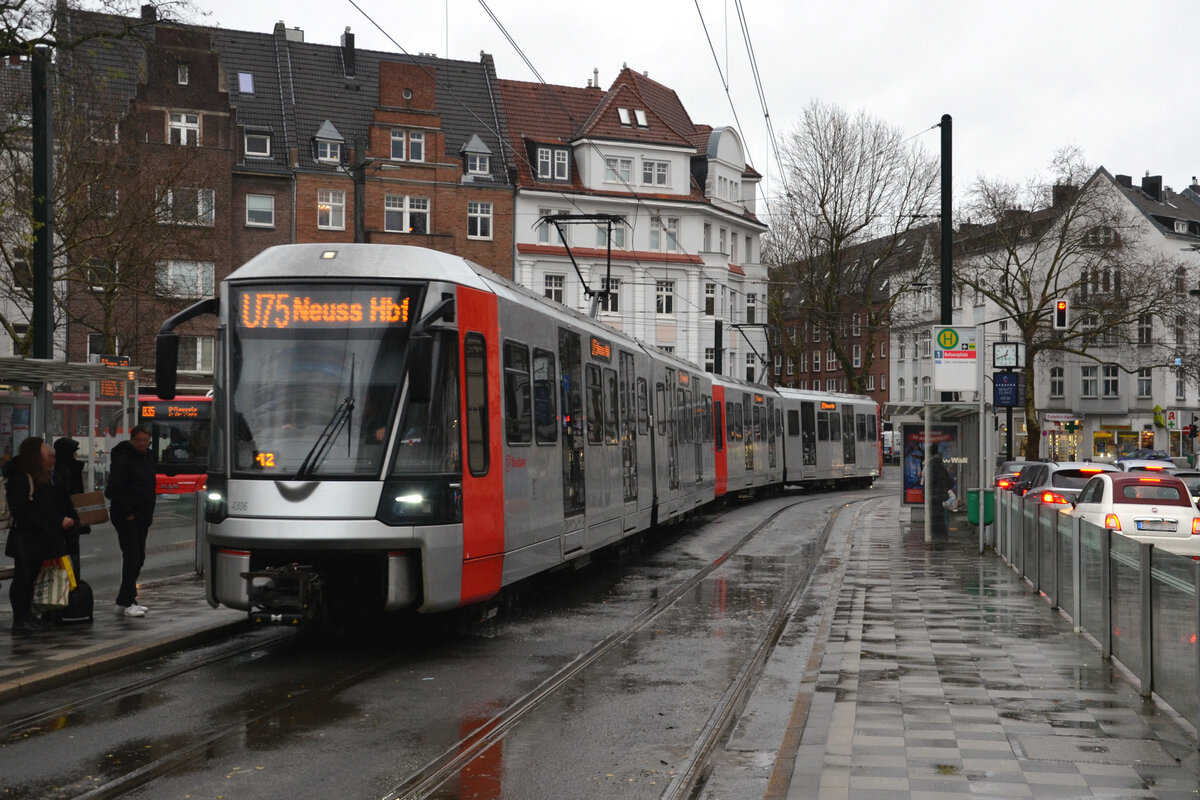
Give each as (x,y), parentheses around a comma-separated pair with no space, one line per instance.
(216,499)
(430,501)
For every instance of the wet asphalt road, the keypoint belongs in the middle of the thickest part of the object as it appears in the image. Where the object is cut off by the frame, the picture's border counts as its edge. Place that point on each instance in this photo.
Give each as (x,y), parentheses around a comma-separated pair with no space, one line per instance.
(355,718)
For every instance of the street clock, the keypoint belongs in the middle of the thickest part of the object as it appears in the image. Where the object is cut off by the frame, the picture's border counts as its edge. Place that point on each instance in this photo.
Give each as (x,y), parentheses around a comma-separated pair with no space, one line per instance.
(1008,355)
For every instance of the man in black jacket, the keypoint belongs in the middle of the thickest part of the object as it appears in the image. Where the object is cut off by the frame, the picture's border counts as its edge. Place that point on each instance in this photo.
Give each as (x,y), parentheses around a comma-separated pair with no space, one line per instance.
(66,479)
(130,492)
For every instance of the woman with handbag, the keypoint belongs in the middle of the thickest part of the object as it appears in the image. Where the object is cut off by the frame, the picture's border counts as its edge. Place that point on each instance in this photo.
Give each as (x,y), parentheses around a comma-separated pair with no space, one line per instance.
(37,529)
(66,477)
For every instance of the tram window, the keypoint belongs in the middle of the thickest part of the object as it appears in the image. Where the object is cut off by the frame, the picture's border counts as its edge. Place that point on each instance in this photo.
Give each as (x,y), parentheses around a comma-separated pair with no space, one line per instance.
(475,372)
(719,425)
(860,427)
(835,427)
(610,406)
(758,423)
(595,405)
(822,426)
(793,425)
(685,419)
(643,404)
(737,421)
(545,412)
(518,415)
(872,428)
(729,421)
(708,418)
(661,393)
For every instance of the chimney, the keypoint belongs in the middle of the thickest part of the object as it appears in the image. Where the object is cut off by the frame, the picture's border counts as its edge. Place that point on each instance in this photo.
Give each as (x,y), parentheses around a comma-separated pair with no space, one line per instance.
(596,77)
(1125,180)
(348,52)
(1152,185)
(149,13)
(1063,194)
(292,34)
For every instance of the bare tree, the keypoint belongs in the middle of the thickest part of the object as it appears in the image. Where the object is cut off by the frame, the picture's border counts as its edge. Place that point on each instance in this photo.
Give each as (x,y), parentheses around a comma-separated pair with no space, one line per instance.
(1025,246)
(849,234)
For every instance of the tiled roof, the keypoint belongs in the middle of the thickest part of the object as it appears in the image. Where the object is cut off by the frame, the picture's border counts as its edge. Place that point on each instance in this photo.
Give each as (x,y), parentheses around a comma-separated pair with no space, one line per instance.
(1165,208)
(605,123)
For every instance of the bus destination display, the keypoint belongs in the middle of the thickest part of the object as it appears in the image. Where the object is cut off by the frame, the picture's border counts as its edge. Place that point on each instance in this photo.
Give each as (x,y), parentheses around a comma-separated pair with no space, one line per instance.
(321,308)
(171,410)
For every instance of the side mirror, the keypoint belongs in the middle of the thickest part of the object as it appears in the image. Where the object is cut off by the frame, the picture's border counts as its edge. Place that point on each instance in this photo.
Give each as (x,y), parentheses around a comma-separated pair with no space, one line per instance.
(166,364)
(420,368)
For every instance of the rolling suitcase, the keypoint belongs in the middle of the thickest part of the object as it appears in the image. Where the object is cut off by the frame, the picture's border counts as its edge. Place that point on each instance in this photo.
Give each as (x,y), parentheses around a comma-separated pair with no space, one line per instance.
(80,604)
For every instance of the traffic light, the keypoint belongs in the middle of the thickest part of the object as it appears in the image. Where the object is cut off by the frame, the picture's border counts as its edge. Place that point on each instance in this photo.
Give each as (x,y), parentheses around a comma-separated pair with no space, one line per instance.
(1194,429)
(1060,315)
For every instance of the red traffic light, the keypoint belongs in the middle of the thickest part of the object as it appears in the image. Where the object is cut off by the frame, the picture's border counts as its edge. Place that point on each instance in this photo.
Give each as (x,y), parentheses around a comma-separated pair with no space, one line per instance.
(1060,314)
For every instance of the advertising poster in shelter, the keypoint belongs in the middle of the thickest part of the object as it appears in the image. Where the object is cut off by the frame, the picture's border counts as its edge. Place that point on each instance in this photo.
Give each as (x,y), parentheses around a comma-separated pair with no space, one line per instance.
(945,436)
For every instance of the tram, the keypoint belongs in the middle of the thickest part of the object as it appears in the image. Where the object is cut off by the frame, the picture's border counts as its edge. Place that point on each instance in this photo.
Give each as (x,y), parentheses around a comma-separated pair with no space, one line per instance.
(398,428)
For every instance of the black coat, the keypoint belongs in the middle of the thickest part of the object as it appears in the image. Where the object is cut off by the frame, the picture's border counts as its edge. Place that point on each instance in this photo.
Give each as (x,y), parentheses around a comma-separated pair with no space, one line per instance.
(939,479)
(36,529)
(131,483)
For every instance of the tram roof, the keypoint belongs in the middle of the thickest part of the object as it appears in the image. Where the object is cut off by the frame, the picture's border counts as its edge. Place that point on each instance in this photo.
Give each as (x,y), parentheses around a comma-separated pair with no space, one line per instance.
(359,261)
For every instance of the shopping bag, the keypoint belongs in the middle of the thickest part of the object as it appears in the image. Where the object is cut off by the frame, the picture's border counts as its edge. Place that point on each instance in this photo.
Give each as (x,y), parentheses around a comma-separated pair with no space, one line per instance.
(951,501)
(52,589)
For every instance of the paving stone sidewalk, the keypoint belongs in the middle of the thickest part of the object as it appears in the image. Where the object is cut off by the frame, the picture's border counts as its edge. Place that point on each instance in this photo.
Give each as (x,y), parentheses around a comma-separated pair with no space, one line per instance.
(946,676)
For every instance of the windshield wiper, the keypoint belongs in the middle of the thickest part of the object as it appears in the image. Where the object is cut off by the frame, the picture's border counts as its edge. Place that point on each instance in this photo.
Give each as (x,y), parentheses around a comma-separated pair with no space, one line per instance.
(324,442)
(341,416)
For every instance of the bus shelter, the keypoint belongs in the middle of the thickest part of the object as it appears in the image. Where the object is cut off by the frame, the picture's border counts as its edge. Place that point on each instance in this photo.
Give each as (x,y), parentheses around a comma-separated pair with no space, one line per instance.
(94,404)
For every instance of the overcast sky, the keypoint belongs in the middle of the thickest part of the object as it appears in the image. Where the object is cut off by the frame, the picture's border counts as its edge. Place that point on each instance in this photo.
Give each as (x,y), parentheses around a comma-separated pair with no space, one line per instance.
(1020,78)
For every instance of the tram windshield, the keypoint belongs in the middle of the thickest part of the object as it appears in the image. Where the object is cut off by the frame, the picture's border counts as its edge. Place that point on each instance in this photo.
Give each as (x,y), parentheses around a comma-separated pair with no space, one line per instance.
(314,375)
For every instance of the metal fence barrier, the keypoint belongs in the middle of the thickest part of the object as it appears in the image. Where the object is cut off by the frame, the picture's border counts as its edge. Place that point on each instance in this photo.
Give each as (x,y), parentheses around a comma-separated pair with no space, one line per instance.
(1140,603)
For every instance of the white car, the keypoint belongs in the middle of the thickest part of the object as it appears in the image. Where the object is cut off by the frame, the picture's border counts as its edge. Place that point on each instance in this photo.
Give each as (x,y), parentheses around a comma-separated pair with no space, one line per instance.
(1149,508)
(1146,465)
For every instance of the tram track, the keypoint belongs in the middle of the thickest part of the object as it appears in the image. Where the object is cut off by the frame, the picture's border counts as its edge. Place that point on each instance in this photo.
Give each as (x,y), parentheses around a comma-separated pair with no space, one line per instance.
(426,781)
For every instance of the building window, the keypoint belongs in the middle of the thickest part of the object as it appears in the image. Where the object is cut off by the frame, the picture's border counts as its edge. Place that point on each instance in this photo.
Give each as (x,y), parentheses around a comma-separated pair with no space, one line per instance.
(1180,330)
(183,127)
(707,237)
(554,287)
(778,365)
(857,355)
(562,170)
(545,165)
(610,302)
(479,164)
(751,366)
(258,145)
(479,220)
(791,366)
(883,348)
(900,389)
(246,82)
(623,116)
(186,206)
(103,198)
(710,299)
(709,359)
(925,388)
(1180,384)
(409,145)
(900,351)
(260,211)
(548,232)
(404,214)
(830,360)
(831,385)
(1144,327)
(195,354)
(96,347)
(664,234)
(664,297)
(926,344)
(751,306)
(721,241)
(656,173)
(856,325)
(190,279)
(816,361)
(639,114)
(181,74)
(101,275)
(329,151)
(331,209)
(870,383)
(618,236)
(1087,380)
(1056,382)
(1110,385)
(1143,383)
(618,170)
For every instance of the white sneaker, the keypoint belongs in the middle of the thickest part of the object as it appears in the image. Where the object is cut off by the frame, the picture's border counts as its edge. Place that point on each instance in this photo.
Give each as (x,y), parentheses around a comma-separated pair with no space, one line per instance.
(134,610)
(142,607)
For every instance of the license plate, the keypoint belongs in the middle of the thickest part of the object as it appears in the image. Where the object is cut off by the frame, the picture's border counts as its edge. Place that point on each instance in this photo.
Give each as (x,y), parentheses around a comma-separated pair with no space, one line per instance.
(1167,525)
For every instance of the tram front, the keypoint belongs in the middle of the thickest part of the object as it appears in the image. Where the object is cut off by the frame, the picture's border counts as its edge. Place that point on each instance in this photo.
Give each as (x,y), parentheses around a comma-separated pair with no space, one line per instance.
(335,479)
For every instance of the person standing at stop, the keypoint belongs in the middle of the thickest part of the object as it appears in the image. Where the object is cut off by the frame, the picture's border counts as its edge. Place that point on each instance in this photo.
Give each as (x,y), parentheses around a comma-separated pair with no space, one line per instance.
(130,492)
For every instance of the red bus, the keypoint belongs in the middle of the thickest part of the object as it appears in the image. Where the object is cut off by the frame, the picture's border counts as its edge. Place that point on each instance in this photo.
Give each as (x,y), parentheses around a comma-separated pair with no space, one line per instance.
(179,433)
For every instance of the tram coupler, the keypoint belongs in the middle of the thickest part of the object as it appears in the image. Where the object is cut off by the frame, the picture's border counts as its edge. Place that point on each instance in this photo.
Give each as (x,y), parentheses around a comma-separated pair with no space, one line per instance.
(287,595)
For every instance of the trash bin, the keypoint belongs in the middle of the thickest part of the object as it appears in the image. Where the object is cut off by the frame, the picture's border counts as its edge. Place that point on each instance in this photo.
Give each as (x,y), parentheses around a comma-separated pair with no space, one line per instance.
(989,506)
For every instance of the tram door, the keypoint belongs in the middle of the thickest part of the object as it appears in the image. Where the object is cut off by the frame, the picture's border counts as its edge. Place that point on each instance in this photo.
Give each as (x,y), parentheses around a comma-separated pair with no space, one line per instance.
(772,429)
(808,439)
(668,415)
(570,365)
(848,434)
(628,423)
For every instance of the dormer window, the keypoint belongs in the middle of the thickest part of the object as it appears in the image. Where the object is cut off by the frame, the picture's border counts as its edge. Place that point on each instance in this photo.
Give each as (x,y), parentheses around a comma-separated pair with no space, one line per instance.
(640,115)
(623,115)
(553,163)
(258,144)
(329,151)
(478,164)
(1181,226)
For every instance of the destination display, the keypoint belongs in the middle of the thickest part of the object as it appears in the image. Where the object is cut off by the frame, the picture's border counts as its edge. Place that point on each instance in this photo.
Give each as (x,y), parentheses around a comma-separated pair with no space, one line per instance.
(172,410)
(322,308)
